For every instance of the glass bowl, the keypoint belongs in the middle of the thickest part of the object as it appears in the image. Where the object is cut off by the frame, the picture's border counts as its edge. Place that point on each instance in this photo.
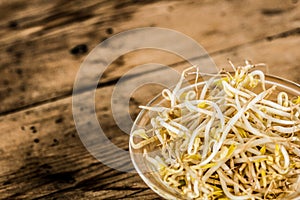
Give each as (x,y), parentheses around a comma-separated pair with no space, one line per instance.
(151,176)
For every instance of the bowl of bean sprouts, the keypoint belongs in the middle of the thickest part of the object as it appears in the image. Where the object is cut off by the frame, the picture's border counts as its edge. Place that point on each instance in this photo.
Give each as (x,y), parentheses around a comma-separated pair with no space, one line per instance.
(231,135)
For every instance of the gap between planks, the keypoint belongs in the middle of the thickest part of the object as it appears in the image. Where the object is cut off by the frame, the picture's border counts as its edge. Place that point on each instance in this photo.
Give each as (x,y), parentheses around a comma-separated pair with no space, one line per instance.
(292,32)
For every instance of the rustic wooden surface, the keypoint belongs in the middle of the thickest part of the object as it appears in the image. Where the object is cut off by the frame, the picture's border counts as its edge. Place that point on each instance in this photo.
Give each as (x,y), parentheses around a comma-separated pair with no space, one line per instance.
(42,156)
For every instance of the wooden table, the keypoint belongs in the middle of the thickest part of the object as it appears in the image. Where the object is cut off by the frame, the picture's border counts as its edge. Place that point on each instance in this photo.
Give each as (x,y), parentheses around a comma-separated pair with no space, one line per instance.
(42,46)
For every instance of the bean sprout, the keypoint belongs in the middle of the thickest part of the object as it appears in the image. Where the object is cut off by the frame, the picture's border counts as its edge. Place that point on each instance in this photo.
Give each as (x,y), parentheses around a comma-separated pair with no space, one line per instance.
(227,138)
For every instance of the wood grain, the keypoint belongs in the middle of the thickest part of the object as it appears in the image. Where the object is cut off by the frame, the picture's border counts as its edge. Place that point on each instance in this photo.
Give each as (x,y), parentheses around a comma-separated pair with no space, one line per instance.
(38,38)
(42,156)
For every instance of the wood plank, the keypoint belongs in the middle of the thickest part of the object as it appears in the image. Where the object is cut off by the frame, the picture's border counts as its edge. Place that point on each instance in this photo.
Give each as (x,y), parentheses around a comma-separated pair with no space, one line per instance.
(43,158)
(43,155)
(37,37)
(281,56)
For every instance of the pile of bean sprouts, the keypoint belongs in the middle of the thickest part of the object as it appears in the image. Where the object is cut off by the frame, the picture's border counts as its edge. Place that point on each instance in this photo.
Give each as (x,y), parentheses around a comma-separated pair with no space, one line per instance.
(227,140)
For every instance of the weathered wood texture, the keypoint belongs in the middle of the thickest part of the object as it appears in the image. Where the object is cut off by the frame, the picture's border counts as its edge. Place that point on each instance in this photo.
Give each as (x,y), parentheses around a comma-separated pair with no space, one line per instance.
(42,156)
(37,36)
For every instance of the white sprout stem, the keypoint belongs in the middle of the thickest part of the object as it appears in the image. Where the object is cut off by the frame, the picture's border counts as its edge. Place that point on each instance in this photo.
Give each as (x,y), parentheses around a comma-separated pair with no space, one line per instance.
(272,119)
(261,77)
(196,79)
(146,141)
(234,91)
(203,92)
(171,128)
(257,121)
(194,135)
(217,109)
(282,129)
(167,94)
(232,65)
(205,88)
(180,126)
(225,189)
(177,87)
(275,105)
(155,109)
(190,95)
(296,151)
(207,137)
(285,156)
(193,108)
(187,88)
(283,99)
(275,111)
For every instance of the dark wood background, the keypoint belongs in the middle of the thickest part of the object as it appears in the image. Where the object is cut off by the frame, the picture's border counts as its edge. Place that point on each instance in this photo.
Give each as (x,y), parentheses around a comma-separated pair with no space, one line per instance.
(42,45)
